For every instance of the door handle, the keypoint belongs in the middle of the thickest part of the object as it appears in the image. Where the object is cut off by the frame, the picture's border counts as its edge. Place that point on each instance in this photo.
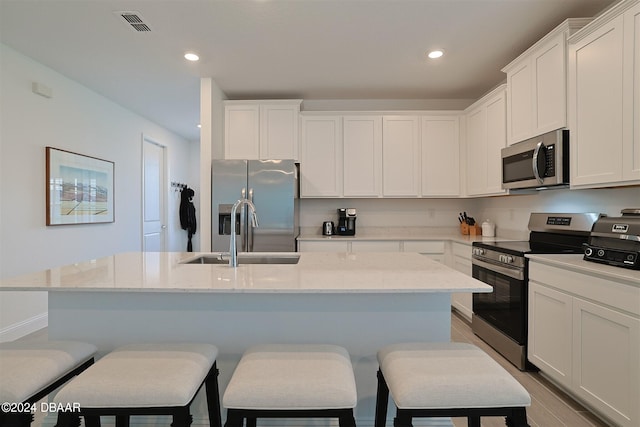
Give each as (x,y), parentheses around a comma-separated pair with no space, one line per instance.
(540,149)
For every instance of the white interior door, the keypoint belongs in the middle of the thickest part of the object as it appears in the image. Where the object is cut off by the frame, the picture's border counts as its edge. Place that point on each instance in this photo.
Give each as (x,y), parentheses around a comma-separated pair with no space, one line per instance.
(154,196)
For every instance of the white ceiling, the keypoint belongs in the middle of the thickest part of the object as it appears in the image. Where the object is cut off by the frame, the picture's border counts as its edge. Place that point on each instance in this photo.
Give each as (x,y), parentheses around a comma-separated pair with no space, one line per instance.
(310,49)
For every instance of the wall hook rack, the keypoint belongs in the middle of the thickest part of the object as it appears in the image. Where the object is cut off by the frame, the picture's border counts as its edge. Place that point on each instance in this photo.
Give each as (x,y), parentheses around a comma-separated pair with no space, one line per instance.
(178,186)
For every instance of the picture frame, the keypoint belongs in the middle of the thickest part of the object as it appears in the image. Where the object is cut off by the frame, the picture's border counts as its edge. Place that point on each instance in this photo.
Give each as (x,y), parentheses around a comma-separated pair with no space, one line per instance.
(79,188)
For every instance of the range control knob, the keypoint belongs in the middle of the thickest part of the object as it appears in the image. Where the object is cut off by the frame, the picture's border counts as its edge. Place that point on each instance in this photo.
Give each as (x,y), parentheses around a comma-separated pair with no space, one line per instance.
(478,251)
(507,259)
(588,252)
(600,252)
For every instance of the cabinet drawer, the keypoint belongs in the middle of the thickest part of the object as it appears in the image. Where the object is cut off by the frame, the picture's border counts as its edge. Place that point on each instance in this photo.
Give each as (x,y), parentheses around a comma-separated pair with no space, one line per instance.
(375,246)
(618,295)
(427,247)
(315,246)
(463,251)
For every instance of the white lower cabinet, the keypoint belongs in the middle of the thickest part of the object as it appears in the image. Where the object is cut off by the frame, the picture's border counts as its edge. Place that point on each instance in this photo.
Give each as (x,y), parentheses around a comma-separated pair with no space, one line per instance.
(549,346)
(584,334)
(461,261)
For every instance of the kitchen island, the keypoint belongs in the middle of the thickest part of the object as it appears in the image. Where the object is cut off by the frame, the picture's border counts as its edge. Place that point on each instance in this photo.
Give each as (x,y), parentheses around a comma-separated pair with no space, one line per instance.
(361,301)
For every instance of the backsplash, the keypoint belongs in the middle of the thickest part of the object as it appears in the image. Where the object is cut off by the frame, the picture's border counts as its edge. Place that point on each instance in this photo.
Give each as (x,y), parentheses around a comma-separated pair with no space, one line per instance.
(509,213)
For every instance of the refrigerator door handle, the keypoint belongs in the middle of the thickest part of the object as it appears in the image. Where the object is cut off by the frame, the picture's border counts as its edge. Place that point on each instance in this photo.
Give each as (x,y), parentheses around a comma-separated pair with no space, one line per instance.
(243,222)
(250,226)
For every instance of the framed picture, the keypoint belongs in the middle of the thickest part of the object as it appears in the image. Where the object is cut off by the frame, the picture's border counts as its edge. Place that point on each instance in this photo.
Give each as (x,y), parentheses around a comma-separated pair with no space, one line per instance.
(79,188)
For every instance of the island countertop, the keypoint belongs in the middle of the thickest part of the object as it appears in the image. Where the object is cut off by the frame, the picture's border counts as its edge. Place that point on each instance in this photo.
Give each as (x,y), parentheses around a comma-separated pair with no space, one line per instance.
(314,273)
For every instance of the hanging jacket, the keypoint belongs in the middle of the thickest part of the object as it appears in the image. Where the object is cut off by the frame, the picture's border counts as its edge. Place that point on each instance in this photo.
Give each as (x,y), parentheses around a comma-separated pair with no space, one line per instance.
(188,215)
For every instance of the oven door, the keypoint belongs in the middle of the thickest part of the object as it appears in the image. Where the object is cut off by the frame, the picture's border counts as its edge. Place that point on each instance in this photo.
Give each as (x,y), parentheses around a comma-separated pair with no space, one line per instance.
(506,307)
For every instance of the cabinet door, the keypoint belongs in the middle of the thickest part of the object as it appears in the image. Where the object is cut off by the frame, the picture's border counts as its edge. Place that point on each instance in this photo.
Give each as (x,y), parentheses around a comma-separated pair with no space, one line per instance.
(321,157)
(362,156)
(596,106)
(520,103)
(440,156)
(495,142)
(242,131)
(401,156)
(476,157)
(549,85)
(606,361)
(279,131)
(550,330)
(631,148)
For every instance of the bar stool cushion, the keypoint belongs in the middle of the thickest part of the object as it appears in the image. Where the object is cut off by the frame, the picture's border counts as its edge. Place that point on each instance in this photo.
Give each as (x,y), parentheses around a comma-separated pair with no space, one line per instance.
(292,377)
(142,376)
(448,375)
(27,367)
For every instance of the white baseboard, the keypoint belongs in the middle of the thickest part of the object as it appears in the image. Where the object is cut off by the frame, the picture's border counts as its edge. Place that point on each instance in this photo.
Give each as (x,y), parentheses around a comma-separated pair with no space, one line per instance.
(26,327)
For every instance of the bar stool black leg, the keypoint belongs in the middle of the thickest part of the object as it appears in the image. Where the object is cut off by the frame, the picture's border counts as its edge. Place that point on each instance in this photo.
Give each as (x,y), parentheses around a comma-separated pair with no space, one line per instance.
(382,400)
(213,396)
(122,421)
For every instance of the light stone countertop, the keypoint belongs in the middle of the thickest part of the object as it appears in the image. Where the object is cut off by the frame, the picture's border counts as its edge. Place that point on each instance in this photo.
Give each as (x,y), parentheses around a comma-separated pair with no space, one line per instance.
(315,273)
(575,262)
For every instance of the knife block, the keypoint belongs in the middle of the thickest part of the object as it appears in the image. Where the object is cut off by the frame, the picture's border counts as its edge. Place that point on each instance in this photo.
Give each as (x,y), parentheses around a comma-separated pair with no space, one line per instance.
(475,230)
(464,228)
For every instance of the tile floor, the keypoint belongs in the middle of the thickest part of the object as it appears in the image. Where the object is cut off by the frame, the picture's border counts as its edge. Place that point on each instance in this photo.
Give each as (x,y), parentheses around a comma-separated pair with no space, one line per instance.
(550,406)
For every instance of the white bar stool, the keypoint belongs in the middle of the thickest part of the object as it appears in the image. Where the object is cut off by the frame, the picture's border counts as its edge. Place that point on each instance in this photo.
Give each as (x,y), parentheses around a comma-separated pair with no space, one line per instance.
(30,370)
(145,379)
(447,380)
(291,381)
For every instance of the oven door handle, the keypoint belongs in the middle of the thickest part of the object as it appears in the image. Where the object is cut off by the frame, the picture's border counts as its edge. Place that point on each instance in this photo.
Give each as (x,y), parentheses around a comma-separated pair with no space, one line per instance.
(514,273)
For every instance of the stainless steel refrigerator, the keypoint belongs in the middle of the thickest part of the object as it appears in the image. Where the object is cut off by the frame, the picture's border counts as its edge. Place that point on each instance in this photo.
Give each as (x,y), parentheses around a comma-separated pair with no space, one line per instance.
(272,186)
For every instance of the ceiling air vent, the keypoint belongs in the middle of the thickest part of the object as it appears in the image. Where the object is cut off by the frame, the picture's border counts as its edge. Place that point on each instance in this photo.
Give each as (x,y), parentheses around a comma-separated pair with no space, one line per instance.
(135,21)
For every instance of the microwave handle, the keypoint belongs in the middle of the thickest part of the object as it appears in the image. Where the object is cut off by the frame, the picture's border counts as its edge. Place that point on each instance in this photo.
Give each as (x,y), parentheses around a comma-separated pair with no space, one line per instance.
(540,149)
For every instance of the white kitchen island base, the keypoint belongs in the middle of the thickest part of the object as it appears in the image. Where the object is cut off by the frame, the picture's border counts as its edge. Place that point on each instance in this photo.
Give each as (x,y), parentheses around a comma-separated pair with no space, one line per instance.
(362,323)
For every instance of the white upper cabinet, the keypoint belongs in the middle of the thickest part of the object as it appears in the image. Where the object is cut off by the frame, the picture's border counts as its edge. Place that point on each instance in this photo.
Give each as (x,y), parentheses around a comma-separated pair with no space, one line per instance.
(485,137)
(440,146)
(536,85)
(241,131)
(401,156)
(321,156)
(604,99)
(631,109)
(362,156)
(261,129)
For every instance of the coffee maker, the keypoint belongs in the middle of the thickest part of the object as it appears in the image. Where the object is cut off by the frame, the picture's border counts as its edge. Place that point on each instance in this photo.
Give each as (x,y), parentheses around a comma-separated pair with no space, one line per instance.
(346,222)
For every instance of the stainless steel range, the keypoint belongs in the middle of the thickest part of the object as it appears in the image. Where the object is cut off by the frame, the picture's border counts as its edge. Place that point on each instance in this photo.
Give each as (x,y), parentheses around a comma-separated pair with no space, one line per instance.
(500,317)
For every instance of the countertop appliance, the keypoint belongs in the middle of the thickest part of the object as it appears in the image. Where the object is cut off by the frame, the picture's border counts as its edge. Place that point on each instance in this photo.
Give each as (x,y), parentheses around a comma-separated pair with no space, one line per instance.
(616,240)
(500,317)
(272,186)
(328,228)
(346,222)
(537,163)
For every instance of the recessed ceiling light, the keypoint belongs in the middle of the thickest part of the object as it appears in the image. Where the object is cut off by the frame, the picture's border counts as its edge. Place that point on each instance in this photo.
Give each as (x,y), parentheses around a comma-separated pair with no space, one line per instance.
(190,56)
(436,53)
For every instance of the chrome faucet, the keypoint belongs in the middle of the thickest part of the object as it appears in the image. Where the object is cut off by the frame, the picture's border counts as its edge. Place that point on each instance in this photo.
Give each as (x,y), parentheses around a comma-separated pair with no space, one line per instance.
(233,247)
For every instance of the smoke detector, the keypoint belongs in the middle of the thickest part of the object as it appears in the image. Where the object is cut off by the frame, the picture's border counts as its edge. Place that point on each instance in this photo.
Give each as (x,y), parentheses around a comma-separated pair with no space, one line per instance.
(134,20)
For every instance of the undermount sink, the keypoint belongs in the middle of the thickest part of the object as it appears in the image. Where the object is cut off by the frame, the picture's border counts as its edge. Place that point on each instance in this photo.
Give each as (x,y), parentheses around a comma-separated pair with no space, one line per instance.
(247,258)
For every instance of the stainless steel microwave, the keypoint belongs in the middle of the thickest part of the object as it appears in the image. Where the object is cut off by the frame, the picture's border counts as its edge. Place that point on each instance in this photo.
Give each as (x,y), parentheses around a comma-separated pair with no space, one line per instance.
(537,163)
